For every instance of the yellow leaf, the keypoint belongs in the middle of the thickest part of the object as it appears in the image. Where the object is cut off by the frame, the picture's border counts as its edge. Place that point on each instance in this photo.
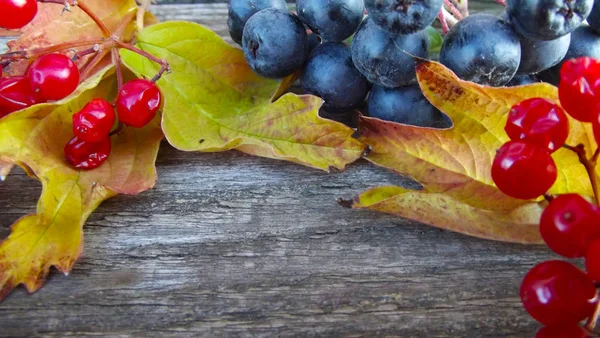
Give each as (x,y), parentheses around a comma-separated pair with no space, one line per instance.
(34,138)
(454,165)
(214,102)
(519,225)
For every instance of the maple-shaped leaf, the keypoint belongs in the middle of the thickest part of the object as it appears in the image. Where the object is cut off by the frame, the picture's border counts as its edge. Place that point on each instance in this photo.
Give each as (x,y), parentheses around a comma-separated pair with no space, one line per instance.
(214,102)
(34,138)
(454,165)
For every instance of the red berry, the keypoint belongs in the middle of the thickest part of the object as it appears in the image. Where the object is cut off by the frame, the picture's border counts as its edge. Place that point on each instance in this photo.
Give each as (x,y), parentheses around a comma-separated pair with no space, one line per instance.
(558,293)
(94,121)
(523,170)
(15,14)
(53,76)
(592,260)
(579,88)
(569,224)
(15,94)
(138,102)
(538,121)
(87,155)
(567,331)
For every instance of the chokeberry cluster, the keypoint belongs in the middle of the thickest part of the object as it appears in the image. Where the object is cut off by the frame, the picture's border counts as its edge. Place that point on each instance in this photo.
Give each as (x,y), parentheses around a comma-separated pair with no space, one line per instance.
(526,44)
(54,76)
(557,293)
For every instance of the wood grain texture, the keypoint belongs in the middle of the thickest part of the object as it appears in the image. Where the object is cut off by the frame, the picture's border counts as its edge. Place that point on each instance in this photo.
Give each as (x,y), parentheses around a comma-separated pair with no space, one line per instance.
(231,245)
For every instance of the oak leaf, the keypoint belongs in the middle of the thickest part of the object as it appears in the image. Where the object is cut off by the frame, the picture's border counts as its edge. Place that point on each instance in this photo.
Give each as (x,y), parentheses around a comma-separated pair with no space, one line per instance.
(34,139)
(454,165)
(214,102)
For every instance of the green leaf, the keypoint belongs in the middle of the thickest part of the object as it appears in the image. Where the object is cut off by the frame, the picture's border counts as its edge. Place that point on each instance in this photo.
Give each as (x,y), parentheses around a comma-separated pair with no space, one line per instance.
(214,102)
(435,39)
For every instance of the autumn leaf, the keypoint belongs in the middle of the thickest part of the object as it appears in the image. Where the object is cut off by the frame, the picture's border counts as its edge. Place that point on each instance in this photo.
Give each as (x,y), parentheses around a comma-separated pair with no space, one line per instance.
(34,139)
(214,102)
(454,165)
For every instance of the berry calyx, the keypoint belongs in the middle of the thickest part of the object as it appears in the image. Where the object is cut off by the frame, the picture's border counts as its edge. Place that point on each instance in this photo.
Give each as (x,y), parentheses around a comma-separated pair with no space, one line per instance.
(87,155)
(538,121)
(138,102)
(569,224)
(15,94)
(53,76)
(566,331)
(558,293)
(523,170)
(579,88)
(15,14)
(94,121)
(592,260)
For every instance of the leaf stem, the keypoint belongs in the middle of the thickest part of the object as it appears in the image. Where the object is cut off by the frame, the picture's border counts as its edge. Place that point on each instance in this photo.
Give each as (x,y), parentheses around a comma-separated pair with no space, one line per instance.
(164,65)
(590,324)
(116,58)
(590,166)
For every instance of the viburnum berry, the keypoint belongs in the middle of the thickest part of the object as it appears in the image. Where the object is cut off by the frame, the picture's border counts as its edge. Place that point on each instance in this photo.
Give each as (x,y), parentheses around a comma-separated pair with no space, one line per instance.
(15,94)
(538,121)
(94,121)
(569,224)
(558,293)
(53,76)
(579,88)
(15,14)
(137,102)
(565,331)
(592,260)
(87,155)
(523,170)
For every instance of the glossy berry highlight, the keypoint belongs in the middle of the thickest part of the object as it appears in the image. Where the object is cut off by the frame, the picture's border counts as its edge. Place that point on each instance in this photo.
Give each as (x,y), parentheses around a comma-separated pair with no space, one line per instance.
(538,121)
(15,94)
(523,170)
(53,76)
(87,155)
(15,14)
(137,102)
(569,224)
(558,293)
(94,121)
(579,88)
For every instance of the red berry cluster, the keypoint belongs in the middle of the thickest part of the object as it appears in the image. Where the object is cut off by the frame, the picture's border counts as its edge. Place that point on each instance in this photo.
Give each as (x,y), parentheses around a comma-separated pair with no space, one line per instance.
(137,104)
(556,293)
(49,78)
(53,77)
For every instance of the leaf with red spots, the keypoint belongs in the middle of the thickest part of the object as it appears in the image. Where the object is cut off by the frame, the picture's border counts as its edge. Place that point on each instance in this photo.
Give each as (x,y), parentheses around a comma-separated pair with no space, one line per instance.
(214,102)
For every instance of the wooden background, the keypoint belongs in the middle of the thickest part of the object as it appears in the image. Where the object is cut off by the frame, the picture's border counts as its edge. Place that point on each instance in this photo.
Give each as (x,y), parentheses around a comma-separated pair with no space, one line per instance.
(232,245)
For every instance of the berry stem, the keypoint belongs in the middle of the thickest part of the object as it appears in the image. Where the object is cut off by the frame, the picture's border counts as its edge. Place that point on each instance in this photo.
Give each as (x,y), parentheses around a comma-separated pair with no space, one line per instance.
(443,21)
(85,52)
(116,58)
(68,3)
(119,129)
(164,65)
(501,2)
(590,324)
(447,20)
(455,12)
(590,166)
(462,6)
(34,53)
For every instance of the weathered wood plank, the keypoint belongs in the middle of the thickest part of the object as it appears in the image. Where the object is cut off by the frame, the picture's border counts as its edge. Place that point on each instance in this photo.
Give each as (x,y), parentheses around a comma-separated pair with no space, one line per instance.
(231,245)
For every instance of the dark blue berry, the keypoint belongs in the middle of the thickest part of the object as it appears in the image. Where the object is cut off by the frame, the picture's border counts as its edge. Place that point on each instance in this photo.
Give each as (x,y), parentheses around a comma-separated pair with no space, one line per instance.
(330,74)
(594,17)
(387,59)
(403,16)
(539,55)
(241,10)
(547,19)
(482,48)
(333,20)
(405,105)
(275,43)
(522,80)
